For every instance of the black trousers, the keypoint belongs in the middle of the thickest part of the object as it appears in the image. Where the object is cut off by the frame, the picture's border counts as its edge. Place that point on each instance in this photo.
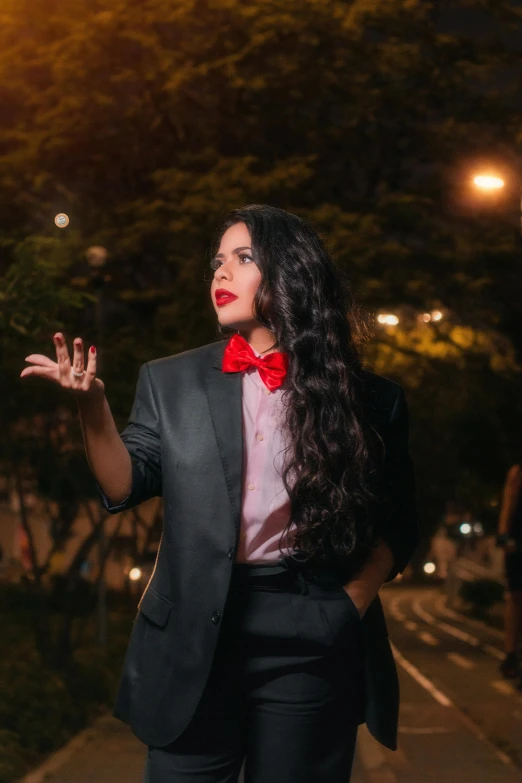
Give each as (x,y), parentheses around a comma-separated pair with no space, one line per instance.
(285,692)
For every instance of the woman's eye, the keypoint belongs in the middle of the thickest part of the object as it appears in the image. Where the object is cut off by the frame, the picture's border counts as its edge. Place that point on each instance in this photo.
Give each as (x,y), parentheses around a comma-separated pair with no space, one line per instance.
(216,262)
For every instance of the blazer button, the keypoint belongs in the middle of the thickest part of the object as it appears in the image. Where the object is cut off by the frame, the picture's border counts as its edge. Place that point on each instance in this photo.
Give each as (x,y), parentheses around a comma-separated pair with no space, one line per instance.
(216,617)
(231,552)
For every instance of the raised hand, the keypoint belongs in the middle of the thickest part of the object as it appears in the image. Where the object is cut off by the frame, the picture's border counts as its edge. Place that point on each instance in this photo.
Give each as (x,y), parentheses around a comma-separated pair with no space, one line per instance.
(81,380)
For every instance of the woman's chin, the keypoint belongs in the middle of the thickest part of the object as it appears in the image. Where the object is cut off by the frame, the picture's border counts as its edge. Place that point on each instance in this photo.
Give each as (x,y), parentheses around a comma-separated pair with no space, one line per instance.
(232,323)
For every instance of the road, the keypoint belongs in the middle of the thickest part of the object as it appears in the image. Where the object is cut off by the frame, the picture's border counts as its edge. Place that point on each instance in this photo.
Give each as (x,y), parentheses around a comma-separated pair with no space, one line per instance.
(459,720)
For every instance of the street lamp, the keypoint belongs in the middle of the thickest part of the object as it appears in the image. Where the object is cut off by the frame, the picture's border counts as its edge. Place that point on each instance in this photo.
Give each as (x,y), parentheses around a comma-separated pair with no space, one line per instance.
(97,258)
(388,318)
(435,315)
(490,183)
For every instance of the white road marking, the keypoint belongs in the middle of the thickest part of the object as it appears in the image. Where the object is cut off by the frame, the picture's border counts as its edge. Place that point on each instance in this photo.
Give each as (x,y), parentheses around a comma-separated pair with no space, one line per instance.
(493,651)
(420,678)
(428,638)
(456,632)
(440,606)
(459,660)
(504,687)
(395,611)
(440,697)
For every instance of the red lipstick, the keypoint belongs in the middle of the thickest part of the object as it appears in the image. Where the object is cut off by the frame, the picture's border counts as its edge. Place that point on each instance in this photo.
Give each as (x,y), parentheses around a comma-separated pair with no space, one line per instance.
(223,296)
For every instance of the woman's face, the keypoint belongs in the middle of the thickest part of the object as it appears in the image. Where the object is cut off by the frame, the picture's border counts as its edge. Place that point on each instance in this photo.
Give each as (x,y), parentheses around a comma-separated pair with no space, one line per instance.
(235,271)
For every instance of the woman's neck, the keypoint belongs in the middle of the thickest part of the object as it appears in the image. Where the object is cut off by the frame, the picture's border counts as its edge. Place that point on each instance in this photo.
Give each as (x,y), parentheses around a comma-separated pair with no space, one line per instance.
(262,341)
(269,350)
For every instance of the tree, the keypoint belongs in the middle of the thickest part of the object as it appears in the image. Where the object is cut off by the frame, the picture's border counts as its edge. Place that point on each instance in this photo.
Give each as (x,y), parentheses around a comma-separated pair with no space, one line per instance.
(146,121)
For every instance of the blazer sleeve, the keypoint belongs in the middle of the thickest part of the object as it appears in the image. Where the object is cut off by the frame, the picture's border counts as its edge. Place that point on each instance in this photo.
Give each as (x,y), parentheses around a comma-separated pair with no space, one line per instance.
(142,440)
(400,529)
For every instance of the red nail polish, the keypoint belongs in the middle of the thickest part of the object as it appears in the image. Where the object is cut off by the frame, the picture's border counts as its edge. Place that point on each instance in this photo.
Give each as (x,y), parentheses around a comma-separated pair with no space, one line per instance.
(92,349)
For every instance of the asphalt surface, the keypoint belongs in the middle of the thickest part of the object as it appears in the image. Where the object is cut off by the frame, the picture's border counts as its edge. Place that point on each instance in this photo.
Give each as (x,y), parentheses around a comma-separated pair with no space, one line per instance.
(460,720)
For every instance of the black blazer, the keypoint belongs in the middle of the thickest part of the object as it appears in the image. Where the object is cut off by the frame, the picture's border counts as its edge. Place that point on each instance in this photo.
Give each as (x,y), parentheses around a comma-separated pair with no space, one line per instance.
(185,439)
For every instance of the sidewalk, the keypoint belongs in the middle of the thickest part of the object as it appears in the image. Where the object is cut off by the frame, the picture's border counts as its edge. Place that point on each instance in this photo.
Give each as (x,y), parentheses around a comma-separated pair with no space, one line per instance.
(108,752)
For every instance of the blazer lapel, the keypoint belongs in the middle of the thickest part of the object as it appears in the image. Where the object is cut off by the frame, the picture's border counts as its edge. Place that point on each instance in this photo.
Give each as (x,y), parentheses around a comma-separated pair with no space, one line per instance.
(224,392)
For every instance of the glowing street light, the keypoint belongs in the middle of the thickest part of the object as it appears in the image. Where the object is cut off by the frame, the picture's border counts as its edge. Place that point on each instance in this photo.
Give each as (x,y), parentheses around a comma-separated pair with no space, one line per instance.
(488,182)
(388,318)
(431,317)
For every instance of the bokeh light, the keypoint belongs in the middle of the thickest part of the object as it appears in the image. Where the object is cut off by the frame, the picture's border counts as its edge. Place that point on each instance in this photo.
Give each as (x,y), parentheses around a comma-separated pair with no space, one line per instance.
(388,318)
(61,220)
(488,182)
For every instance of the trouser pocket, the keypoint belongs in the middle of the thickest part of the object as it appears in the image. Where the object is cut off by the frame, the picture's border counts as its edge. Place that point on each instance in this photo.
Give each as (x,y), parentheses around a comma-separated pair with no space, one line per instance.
(340,615)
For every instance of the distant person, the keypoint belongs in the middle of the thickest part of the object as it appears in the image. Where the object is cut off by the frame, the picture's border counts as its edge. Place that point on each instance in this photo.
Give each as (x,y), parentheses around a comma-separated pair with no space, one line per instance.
(289,499)
(445,541)
(509,536)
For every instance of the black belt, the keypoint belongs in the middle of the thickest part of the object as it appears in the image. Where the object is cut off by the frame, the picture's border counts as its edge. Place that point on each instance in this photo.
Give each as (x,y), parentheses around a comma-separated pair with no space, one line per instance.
(285,564)
(288,565)
(262,569)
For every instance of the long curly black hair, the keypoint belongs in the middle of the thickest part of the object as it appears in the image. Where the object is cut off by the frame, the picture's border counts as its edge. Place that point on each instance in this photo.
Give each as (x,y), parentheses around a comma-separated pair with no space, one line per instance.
(333,453)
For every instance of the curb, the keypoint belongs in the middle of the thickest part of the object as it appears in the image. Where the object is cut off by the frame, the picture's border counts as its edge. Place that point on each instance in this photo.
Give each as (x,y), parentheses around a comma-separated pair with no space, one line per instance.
(376,769)
(60,756)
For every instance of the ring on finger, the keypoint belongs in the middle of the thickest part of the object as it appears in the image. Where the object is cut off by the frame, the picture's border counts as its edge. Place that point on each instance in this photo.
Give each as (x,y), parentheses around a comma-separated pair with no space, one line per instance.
(77,374)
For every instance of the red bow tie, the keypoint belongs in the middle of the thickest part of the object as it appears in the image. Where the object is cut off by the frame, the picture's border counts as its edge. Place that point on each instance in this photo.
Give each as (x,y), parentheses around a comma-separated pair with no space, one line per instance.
(239,356)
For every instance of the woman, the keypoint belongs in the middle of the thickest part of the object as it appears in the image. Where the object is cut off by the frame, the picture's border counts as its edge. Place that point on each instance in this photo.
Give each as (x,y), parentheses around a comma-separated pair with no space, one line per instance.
(288,500)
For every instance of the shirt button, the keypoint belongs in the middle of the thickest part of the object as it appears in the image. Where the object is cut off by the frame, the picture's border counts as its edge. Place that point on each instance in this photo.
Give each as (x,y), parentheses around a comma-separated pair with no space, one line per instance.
(251,486)
(231,552)
(216,617)
(259,436)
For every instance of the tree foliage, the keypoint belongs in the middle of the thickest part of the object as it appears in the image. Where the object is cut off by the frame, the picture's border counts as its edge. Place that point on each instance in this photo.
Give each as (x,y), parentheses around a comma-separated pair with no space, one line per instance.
(146,121)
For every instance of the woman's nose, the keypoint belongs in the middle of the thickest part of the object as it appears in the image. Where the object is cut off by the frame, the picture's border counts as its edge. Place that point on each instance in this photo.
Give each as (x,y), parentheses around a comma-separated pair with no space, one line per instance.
(222,273)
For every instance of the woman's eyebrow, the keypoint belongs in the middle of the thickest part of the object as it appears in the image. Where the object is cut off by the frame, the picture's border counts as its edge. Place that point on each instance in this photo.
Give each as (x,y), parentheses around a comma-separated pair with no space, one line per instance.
(235,252)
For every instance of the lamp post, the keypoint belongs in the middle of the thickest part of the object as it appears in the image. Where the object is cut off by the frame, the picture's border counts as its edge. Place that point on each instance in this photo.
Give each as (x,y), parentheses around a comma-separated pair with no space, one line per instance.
(97,258)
